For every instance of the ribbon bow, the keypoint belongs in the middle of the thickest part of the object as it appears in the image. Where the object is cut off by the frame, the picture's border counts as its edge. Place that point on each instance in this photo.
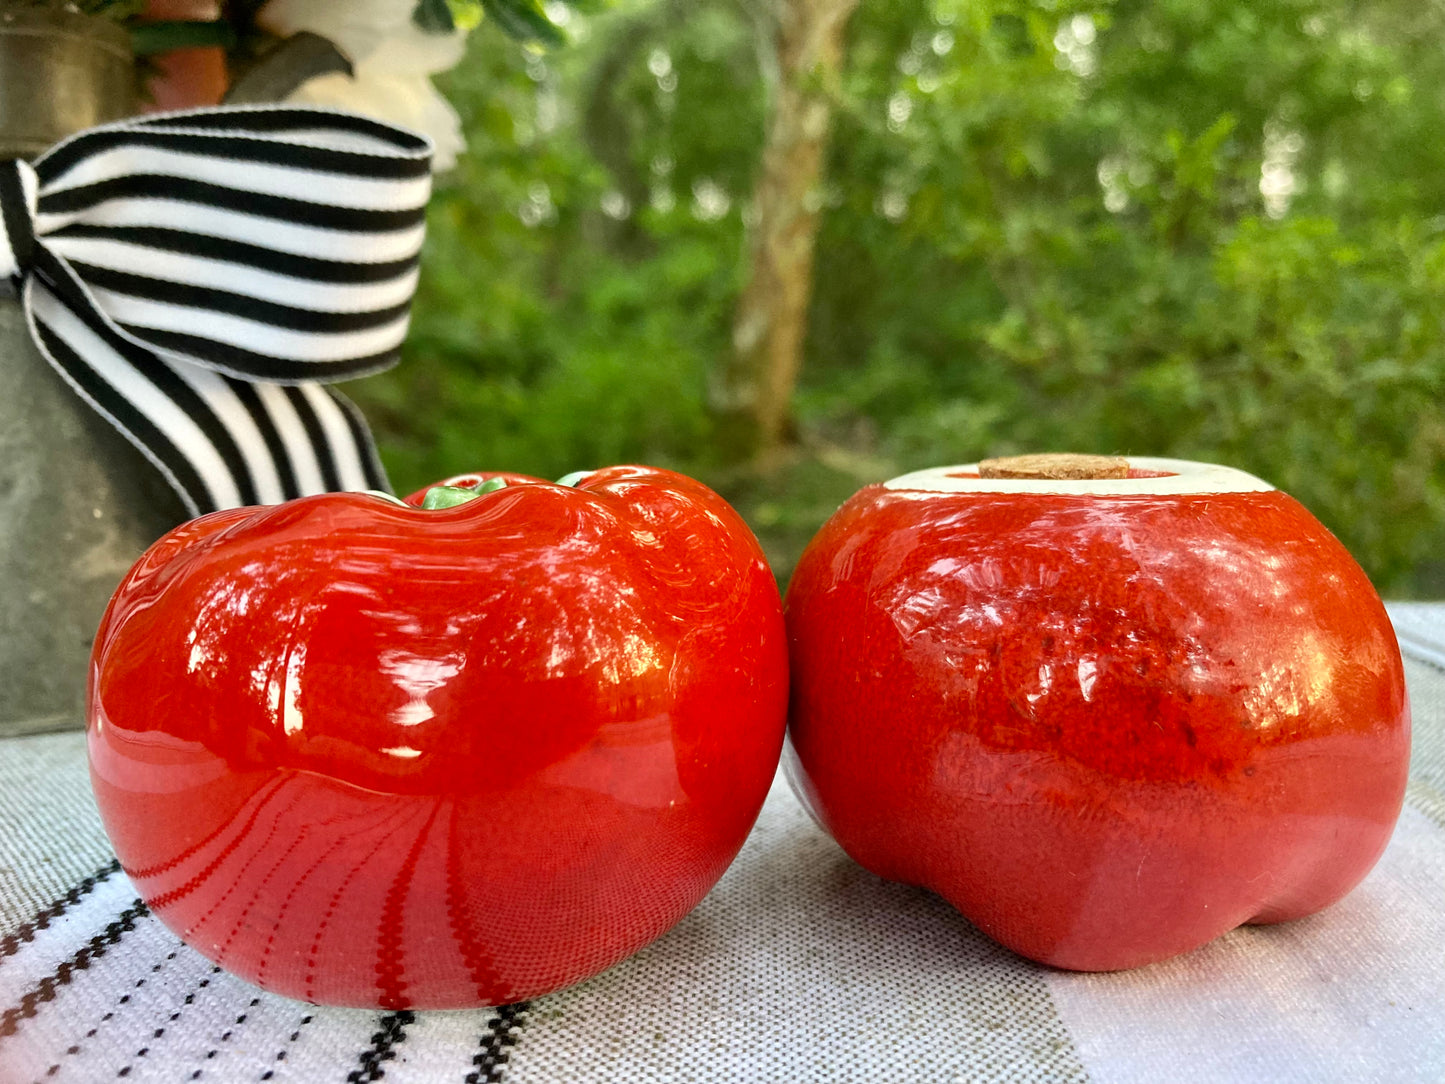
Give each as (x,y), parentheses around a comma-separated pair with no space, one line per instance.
(193,275)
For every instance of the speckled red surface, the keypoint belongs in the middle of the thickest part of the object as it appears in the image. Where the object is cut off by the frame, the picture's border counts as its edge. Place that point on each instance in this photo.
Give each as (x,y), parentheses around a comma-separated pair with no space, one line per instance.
(1106,728)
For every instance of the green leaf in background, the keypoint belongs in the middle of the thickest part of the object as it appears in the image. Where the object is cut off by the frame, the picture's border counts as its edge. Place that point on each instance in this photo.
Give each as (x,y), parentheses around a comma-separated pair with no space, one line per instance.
(434,16)
(523,20)
(118,10)
(148,39)
(1175,227)
(284,67)
(466,14)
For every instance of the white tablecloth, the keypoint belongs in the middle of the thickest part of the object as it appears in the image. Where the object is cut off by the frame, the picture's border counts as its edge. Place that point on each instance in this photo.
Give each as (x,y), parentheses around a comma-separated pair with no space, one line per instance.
(799,966)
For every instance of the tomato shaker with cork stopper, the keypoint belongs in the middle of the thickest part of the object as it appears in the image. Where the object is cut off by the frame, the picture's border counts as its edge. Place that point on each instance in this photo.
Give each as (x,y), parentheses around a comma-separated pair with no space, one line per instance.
(1109,709)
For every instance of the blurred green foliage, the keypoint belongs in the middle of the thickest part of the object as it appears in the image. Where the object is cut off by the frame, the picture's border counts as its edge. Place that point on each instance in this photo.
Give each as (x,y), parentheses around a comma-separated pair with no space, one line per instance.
(1184,227)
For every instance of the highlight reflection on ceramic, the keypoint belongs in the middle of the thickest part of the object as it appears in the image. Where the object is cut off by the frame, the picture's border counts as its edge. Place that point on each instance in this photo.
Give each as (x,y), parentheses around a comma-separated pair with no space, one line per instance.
(1108,721)
(363,754)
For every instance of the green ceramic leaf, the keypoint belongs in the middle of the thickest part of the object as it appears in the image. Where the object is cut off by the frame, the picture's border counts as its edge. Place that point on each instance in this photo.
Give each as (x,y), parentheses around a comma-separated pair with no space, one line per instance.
(434,16)
(147,39)
(523,20)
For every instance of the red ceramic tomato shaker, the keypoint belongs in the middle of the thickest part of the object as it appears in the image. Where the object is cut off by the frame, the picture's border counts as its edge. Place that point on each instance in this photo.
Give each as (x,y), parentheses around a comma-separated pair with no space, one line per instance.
(459,751)
(1108,709)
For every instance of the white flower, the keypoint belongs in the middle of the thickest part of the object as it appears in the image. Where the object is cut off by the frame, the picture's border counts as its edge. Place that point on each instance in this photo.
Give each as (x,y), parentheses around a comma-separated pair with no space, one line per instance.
(392,60)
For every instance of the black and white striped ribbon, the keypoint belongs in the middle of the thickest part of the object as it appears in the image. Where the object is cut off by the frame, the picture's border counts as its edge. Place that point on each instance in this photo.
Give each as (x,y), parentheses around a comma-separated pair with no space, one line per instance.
(196,277)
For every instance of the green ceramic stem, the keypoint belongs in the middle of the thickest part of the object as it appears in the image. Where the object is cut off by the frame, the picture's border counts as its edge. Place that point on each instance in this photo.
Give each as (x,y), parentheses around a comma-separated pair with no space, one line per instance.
(451,496)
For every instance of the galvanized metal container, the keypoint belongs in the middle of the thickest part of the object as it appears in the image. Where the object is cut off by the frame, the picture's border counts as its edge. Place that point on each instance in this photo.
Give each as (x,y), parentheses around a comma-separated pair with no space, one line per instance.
(78,504)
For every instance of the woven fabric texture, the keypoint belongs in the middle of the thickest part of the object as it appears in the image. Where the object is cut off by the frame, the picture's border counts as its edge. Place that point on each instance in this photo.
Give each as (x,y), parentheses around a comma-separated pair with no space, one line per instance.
(50,833)
(799,966)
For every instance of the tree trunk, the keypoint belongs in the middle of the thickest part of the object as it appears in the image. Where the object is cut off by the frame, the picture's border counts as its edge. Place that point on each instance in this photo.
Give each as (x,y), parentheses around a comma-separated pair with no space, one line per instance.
(753,396)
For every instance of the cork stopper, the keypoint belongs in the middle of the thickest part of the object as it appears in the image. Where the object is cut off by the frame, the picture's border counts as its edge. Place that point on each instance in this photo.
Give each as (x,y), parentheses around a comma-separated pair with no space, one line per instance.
(1055,465)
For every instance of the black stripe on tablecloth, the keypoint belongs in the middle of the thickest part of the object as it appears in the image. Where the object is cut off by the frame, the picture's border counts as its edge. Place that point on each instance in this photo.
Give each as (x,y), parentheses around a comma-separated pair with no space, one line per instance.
(77,1048)
(180,892)
(390,976)
(226,250)
(1419,656)
(286,1046)
(481,968)
(158,186)
(143,872)
(496,1043)
(10,945)
(44,990)
(383,1047)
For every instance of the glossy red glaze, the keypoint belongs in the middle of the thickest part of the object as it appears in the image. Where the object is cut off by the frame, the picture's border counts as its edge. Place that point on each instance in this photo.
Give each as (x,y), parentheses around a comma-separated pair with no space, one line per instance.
(1106,728)
(369,755)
